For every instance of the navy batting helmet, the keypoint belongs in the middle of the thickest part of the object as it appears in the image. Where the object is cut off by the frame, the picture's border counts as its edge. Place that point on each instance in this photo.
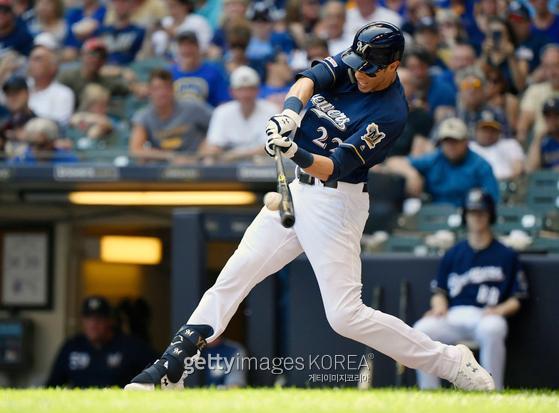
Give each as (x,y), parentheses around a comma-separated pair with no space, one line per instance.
(479,200)
(374,47)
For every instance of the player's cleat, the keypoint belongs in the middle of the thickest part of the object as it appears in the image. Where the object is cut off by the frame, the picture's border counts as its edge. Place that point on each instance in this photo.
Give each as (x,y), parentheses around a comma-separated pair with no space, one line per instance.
(471,376)
(170,370)
(156,377)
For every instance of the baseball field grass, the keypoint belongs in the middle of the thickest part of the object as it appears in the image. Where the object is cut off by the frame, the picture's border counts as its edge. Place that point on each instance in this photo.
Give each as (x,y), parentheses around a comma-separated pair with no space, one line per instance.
(275,400)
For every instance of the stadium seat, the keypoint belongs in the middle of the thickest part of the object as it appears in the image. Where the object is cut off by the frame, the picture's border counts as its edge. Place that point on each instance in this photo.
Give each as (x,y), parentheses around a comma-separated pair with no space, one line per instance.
(408,244)
(434,217)
(543,191)
(518,218)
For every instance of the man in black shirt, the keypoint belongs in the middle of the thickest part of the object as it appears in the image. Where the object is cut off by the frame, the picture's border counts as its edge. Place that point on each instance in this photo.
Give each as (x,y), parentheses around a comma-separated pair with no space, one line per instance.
(99,357)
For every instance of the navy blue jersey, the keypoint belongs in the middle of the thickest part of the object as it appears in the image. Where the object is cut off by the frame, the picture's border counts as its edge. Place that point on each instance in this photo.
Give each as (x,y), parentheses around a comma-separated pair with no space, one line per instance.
(480,278)
(356,130)
(123,43)
(80,364)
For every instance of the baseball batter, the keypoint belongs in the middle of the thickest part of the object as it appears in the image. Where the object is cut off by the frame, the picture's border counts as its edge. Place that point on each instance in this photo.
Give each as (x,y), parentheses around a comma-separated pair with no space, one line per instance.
(356,110)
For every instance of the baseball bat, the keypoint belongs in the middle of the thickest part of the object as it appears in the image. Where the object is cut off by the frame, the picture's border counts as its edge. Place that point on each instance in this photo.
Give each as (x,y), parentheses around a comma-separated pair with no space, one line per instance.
(286,209)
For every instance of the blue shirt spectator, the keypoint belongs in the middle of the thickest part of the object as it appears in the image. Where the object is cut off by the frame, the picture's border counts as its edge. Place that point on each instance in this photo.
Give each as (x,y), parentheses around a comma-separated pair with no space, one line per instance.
(14,33)
(194,78)
(123,43)
(440,93)
(452,170)
(83,23)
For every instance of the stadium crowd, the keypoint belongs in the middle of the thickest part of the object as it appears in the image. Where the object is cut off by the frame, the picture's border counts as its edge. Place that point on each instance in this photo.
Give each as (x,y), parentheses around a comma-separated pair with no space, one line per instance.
(186,81)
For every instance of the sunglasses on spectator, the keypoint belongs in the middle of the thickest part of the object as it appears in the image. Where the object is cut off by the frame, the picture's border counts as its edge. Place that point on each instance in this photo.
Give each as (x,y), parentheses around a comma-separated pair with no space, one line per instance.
(470,84)
(5,9)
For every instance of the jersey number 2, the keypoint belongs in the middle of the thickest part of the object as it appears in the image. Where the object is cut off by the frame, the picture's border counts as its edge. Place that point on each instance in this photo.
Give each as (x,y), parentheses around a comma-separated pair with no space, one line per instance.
(322,141)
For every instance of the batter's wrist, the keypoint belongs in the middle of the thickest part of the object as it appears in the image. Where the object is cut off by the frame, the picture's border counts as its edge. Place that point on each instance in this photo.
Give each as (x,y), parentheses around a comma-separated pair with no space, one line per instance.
(293,103)
(302,158)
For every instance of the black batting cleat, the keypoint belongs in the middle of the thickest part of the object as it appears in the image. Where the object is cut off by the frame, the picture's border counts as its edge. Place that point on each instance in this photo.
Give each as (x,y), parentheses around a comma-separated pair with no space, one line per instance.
(169,372)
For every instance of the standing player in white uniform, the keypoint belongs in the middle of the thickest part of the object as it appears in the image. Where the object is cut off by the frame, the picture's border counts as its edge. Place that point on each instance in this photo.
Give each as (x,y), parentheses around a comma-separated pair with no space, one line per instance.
(356,111)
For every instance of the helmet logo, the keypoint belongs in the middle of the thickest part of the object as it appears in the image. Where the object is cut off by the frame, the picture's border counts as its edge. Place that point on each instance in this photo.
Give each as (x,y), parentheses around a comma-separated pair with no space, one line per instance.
(362,47)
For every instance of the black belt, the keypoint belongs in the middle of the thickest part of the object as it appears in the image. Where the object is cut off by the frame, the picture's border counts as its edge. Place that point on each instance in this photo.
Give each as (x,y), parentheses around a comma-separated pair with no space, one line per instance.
(310,180)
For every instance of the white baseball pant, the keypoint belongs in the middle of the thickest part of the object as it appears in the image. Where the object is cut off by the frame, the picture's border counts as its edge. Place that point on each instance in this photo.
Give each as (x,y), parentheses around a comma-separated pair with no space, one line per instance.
(328,228)
(467,323)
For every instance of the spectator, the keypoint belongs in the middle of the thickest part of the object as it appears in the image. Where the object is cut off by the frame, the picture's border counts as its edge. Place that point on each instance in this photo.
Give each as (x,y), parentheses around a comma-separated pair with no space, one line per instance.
(219,354)
(99,356)
(17,101)
(194,78)
(237,37)
(477,22)
(266,40)
(531,114)
(479,283)
(180,18)
(530,42)
(448,173)
(316,48)
(427,36)
(90,71)
(544,149)
(366,11)
(545,23)
(279,79)
(500,99)
(461,56)
(505,156)
(145,13)
(472,100)
(416,10)
(302,18)
(234,12)
(451,31)
(49,98)
(83,22)
(167,130)
(123,38)
(331,27)
(438,93)
(236,127)
(49,18)
(499,51)
(414,140)
(92,120)
(40,136)
(13,31)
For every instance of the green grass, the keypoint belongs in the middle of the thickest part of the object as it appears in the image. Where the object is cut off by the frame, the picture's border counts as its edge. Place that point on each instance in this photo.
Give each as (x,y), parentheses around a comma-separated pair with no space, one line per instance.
(275,400)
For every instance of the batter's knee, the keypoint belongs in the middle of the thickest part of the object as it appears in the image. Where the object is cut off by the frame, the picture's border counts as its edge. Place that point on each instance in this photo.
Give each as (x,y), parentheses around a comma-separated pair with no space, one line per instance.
(343,319)
(492,326)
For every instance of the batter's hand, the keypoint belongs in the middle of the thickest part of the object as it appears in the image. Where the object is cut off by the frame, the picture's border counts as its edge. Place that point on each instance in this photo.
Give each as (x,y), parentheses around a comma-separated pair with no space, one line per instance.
(284,123)
(286,145)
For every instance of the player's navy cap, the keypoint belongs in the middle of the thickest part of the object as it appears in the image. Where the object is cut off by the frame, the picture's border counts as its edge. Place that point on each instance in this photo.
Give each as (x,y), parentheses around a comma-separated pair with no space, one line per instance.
(489,119)
(551,105)
(96,306)
(14,84)
(518,11)
(375,46)
(479,200)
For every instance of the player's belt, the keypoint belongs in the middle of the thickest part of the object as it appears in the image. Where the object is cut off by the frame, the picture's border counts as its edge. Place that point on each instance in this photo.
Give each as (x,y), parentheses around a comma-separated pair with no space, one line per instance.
(310,180)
